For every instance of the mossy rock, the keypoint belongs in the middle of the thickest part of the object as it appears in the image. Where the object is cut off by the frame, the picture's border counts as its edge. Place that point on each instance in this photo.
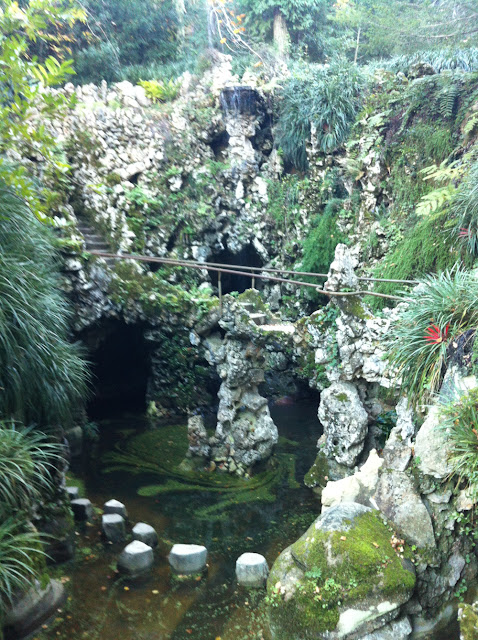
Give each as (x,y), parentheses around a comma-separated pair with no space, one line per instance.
(317,476)
(468,616)
(341,579)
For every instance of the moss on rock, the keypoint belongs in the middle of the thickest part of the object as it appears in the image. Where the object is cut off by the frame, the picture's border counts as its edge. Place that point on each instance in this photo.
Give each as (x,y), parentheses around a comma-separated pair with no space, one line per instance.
(344,561)
(468,616)
(317,476)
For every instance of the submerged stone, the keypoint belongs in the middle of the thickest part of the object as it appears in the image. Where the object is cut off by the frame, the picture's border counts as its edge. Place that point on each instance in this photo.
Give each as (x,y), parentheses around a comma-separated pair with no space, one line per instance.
(188,558)
(341,580)
(82,509)
(136,559)
(113,526)
(115,506)
(145,533)
(251,570)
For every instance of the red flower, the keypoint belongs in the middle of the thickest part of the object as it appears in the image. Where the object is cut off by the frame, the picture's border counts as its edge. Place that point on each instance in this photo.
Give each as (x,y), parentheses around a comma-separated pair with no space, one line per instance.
(435,334)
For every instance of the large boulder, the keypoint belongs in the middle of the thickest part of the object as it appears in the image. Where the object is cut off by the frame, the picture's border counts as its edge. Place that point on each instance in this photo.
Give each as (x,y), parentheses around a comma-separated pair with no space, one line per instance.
(33,609)
(431,447)
(340,581)
(398,499)
(345,423)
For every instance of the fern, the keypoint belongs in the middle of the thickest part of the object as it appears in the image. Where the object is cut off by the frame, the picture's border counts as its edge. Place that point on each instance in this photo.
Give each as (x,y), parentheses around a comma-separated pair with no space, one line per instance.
(447,100)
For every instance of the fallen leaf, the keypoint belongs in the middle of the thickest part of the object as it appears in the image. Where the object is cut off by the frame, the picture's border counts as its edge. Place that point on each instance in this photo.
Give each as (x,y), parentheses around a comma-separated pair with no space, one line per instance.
(375,545)
(343,538)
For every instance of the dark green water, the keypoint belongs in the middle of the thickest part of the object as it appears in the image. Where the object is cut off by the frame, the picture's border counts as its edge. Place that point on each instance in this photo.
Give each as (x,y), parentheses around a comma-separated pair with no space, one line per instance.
(100,607)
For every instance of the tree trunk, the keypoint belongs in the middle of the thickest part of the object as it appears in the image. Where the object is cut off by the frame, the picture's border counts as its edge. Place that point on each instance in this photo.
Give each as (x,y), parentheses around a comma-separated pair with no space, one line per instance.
(180,9)
(281,33)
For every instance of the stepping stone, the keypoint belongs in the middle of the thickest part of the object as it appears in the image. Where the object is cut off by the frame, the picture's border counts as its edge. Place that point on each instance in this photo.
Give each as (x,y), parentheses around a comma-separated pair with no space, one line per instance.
(113,527)
(136,559)
(73,493)
(145,533)
(115,506)
(82,509)
(251,570)
(188,558)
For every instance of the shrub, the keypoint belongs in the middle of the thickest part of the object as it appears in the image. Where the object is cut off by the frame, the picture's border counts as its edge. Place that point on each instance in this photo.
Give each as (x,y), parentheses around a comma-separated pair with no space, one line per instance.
(42,375)
(27,460)
(161,91)
(325,98)
(460,424)
(439,311)
(98,62)
(21,559)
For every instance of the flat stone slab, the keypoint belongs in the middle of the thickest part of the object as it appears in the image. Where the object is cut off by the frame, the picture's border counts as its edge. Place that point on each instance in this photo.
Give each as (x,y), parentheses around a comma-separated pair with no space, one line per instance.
(73,493)
(145,533)
(82,509)
(136,559)
(188,558)
(251,570)
(115,506)
(113,527)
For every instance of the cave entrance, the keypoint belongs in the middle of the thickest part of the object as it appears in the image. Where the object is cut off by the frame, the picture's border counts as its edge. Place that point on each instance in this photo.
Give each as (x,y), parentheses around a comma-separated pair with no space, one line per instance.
(120,365)
(248,257)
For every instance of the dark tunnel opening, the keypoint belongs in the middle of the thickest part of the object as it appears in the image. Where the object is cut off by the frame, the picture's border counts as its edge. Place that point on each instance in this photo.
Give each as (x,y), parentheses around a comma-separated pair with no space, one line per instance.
(247,256)
(120,366)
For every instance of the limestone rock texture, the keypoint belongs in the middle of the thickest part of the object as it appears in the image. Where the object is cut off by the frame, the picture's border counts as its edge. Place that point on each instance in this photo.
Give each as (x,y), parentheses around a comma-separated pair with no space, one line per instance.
(345,423)
(341,580)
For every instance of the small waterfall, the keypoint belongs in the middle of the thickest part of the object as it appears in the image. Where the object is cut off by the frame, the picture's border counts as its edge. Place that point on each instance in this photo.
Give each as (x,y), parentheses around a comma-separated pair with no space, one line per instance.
(241,100)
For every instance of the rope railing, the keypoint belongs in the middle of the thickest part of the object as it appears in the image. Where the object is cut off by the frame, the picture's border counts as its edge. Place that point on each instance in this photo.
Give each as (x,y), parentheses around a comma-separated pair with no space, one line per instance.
(251,273)
(256,270)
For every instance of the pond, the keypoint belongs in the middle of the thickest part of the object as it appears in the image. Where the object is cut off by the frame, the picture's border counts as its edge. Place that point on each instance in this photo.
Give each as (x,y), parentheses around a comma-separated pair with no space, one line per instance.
(102,606)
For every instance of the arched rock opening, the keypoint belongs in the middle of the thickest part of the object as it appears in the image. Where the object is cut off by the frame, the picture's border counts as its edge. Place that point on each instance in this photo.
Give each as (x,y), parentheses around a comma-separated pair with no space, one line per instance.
(120,365)
(248,257)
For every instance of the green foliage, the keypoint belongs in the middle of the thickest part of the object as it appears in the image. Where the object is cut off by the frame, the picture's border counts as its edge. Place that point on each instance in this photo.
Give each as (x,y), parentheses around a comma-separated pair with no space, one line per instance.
(424,248)
(21,559)
(305,19)
(27,460)
(42,375)
(459,421)
(443,59)
(464,208)
(436,199)
(161,91)
(126,32)
(22,84)
(98,62)
(323,98)
(446,301)
(322,238)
